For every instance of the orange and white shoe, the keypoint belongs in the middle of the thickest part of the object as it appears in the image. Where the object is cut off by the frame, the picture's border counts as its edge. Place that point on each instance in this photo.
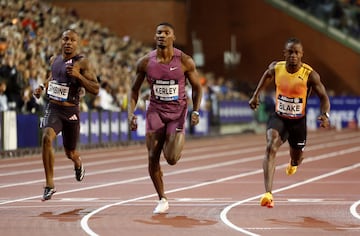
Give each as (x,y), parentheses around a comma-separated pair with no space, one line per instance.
(290,170)
(267,200)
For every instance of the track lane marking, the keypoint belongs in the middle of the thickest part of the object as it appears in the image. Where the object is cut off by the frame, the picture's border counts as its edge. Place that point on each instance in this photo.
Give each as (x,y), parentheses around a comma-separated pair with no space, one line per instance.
(223,214)
(89,231)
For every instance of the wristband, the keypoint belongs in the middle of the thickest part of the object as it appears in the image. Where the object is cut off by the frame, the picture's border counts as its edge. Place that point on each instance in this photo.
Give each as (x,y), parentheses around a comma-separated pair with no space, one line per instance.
(326,114)
(195,113)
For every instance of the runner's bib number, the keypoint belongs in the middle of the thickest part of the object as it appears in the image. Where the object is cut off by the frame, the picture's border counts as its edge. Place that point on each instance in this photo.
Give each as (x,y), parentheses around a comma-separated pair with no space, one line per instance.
(59,92)
(166,90)
(291,107)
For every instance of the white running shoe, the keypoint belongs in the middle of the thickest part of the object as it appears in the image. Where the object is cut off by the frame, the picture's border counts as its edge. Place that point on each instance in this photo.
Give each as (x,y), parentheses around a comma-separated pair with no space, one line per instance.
(162,206)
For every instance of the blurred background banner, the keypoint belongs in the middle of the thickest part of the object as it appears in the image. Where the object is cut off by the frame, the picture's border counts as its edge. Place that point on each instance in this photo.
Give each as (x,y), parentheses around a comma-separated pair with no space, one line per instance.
(345,112)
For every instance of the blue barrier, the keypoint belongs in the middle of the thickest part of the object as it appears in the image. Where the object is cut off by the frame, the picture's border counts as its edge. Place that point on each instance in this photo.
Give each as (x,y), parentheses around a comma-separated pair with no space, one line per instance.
(345,112)
(235,112)
(28,130)
(112,127)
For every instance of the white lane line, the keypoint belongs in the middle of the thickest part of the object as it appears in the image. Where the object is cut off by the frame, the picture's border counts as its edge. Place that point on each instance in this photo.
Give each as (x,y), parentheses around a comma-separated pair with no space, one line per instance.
(224,213)
(213,155)
(242,160)
(353,210)
(88,230)
(353,138)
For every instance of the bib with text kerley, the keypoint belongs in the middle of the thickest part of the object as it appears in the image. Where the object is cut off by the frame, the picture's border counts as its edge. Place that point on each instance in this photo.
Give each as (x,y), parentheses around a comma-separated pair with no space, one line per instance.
(166,90)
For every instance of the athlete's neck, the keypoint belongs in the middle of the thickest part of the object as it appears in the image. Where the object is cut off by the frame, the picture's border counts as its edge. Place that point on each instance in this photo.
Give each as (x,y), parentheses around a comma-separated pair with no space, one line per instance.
(292,68)
(164,55)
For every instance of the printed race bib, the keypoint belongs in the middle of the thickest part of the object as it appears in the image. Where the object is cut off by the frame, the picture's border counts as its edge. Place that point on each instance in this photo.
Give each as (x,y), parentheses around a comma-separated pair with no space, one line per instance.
(59,92)
(166,90)
(291,107)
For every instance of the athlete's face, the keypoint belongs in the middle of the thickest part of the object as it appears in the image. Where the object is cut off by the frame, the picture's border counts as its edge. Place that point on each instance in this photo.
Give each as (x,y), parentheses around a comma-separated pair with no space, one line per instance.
(164,36)
(293,53)
(69,42)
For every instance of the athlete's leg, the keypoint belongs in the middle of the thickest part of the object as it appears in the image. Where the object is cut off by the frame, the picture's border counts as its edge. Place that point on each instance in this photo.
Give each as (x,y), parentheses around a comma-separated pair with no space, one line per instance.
(154,144)
(175,137)
(296,156)
(297,141)
(273,143)
(70,135)
(48,155)
(173,147)
(74,156)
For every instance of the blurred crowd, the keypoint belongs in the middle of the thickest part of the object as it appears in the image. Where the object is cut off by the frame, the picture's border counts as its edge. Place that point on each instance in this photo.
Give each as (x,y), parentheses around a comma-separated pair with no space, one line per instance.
(341,14)
(30,33)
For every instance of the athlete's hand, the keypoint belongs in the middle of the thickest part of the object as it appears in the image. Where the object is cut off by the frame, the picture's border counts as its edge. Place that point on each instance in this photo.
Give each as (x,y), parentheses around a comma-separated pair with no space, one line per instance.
(132,122)
(37,92)
(254,102)
(195,118)
(73,70)
(324,121)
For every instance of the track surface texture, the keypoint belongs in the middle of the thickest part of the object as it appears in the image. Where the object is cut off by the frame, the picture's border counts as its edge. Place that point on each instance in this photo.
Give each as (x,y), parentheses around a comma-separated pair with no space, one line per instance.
(213,190)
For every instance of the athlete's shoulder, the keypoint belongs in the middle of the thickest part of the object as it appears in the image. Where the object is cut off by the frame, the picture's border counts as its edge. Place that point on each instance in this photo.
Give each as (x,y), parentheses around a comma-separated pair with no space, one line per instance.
(143,61)
(274,64)
(307,67)
(279,63)
(53,58)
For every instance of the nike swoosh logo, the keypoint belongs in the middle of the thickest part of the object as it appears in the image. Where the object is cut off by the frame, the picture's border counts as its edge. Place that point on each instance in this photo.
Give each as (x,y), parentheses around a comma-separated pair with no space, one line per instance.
(173,68)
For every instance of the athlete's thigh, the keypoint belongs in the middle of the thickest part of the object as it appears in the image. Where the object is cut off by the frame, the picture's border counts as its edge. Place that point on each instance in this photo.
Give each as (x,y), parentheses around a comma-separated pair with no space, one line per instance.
(52,118)
(277,123)
(298,134)
(176,122)
(71,128)
(154,123)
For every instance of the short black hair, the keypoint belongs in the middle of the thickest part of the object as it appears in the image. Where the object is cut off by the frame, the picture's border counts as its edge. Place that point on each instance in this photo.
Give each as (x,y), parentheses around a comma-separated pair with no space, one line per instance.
(293,40)
(166,24)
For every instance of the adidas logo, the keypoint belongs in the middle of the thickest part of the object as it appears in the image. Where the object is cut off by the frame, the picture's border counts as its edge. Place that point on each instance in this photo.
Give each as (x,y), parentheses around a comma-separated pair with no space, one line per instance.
(73,117)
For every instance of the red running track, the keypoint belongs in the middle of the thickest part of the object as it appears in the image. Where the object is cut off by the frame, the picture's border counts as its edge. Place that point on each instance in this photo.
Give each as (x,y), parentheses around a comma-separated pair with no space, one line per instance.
(213,190)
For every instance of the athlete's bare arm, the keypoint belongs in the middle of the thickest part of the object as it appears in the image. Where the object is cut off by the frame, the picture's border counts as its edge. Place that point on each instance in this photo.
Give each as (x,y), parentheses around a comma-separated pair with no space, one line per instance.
(135,89)
(83,71)
(38,91)
(265,80)
(314,82)
(192,75)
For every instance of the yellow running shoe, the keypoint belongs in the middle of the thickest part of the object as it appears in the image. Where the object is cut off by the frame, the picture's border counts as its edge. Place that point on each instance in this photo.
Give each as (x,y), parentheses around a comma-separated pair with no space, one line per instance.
(290,170)
(267,200)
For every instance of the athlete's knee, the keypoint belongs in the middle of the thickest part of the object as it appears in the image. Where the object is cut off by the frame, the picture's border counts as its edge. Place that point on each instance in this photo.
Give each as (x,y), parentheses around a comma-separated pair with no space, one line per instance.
(172,160)
(272,148)
(47,139)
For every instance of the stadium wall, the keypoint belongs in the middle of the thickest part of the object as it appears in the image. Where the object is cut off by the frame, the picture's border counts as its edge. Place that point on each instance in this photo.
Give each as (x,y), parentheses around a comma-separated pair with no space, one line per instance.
(261,31)
(136,18)
(259,28)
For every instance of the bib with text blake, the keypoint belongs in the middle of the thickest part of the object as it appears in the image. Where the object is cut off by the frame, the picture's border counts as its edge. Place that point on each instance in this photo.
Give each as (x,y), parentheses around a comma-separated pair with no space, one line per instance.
(290,107)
